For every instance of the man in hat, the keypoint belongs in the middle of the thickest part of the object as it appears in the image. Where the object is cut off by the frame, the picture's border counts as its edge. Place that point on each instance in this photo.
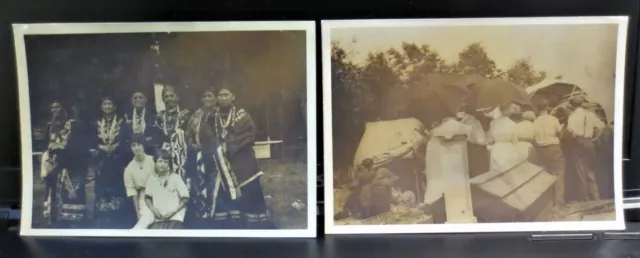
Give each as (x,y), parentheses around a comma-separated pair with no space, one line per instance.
(584,127)
(370,192)
(355,204)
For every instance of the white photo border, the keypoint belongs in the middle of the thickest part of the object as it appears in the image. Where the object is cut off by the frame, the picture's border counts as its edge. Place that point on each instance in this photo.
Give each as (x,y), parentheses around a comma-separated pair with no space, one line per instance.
(21,30)
(617,224)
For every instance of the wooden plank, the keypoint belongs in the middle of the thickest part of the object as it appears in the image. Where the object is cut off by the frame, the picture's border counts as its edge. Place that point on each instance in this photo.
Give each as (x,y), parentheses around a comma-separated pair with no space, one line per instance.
(526,195)
(501,184)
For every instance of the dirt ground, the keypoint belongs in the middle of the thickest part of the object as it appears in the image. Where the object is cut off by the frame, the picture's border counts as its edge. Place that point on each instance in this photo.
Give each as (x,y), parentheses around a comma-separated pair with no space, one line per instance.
(283,183)
(399,215)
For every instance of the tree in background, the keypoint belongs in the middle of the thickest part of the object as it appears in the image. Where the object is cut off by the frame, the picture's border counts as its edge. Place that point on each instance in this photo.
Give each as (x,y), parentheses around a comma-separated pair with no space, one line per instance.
(524,74)
(379,89)
(351,97)
(383,81)
(475,60)
(414,62)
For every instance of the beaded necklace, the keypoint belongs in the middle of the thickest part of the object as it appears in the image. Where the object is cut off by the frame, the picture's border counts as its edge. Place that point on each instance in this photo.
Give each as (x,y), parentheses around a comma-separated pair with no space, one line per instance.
(139,123)
(224,124)
(108,132)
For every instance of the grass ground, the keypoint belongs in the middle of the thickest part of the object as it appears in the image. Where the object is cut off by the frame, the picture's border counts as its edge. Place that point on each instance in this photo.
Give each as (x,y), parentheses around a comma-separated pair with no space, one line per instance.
(283,183)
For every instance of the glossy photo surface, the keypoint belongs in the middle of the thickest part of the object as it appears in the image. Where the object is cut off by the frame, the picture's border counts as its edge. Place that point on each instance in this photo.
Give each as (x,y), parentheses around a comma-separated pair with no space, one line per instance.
(473,125)
(168,129)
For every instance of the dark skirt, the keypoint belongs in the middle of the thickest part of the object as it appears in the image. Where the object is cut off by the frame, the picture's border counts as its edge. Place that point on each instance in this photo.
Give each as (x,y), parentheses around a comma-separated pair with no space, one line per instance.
(167,224)
(200,188)
(113,209)
(70,200)
(247,212)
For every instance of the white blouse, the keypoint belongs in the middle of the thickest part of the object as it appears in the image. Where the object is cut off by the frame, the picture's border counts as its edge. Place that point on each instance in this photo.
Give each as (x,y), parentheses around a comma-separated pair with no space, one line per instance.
(136,175)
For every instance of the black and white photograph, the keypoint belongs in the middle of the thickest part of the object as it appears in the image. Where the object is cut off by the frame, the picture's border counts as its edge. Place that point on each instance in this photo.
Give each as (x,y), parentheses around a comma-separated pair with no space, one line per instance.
(473,125)
(168,129)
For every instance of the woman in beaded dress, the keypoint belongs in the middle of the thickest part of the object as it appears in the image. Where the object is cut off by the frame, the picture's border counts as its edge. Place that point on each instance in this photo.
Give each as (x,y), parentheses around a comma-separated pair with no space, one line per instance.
(140,120)
(172,123)
(113,210)
(238,200)
(201,169)
(48,165)
(64,170)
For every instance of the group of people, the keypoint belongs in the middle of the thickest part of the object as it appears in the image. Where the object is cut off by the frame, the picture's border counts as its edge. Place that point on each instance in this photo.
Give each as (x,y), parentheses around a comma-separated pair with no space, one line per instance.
(166,170)
(515,134)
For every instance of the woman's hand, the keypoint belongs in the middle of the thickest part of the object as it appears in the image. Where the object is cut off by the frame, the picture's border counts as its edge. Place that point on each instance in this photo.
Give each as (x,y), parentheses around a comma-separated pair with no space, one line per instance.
(169,215)
(157,214)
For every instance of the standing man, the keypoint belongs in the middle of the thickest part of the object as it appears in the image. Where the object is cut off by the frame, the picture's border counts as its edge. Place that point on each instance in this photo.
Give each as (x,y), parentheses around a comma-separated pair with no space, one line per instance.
(547,133)
(585,128)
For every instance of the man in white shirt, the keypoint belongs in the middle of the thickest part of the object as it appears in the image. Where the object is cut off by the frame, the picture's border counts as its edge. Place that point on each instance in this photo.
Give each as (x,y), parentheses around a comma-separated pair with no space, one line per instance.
(584,128)
(547,139)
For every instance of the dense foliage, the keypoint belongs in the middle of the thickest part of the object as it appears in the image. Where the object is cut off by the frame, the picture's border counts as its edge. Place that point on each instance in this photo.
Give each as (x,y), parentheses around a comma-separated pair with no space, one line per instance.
(379,88)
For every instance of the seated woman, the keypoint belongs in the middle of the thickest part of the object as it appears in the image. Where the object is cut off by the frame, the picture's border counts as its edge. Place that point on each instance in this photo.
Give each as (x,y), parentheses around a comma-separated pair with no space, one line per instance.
(166,195)
(136,175)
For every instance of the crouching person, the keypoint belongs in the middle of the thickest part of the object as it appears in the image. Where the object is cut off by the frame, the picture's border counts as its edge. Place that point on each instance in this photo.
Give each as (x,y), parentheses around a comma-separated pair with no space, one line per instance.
(166,195)
(370,192)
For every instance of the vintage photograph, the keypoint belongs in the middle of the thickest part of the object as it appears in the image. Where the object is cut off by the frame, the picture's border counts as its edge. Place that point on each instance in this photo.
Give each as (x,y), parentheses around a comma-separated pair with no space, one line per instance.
(463,125)
(131,128)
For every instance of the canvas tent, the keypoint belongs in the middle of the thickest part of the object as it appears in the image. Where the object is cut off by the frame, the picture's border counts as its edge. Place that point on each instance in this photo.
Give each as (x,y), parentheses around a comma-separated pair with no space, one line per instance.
(384,141)
(397,145)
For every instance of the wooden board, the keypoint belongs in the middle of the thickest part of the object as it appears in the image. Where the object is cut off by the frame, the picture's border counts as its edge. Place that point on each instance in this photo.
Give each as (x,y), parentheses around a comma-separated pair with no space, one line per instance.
(519,187)
(526,195)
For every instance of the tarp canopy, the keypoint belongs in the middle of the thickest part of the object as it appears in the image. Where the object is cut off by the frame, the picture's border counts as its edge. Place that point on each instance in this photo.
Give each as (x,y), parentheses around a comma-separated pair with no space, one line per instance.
(559,93)
(383,141)
(597,89)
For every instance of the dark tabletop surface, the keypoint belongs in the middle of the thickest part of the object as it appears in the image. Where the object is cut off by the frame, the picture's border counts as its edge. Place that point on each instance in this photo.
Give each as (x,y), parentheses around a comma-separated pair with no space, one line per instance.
(405,246)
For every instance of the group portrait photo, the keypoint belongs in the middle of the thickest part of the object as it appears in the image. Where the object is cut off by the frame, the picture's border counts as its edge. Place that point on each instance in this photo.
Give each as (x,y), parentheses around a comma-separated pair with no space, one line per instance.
(202,129)
(473,125)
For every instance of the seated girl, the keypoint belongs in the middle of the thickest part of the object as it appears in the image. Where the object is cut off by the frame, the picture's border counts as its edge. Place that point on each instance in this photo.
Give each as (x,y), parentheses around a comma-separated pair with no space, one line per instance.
(166,195)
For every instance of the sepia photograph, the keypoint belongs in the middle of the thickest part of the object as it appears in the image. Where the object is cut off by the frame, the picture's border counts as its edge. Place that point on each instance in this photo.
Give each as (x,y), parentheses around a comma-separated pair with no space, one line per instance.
(473,125)
(168,129)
